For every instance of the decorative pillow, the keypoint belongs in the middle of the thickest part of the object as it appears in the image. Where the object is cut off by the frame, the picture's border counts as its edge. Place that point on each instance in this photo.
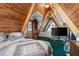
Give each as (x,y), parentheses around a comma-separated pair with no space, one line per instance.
(3,37)
(15,35)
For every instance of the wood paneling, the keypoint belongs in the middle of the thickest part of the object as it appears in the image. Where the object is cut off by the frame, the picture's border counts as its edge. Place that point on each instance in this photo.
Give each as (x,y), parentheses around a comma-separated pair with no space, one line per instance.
(66,19)
(12,16)
(72,10)
(28,17)
(41,8)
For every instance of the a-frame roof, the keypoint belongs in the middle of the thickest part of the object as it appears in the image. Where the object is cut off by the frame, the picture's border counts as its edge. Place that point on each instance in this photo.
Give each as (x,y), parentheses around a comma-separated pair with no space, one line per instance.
(14,17)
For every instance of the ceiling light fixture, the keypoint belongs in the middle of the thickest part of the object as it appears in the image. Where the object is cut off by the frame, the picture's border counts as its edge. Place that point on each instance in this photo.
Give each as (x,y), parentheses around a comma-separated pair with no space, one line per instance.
(47,6)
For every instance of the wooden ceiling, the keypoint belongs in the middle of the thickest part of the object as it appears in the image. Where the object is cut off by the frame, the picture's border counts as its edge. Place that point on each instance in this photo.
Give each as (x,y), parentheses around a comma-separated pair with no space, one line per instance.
(12,16)
(41,8)
(72,11)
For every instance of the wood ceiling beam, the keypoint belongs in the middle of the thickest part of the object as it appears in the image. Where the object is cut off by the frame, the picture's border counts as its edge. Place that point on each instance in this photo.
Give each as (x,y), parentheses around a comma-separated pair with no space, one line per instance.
(57,22)
(46,24)
(43,20)
(66,19)
(28,17)
(40,7)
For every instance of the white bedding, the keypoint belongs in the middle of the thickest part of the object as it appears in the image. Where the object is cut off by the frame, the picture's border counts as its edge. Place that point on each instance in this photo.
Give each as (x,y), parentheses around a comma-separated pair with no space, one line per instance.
(25,47)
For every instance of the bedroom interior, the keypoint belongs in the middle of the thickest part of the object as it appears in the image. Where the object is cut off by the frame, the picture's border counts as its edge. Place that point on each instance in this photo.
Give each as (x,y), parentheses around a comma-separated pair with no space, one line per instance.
(39,29)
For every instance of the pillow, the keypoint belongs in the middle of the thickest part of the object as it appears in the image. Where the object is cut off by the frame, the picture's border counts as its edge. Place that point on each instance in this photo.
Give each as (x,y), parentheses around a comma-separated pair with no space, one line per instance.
(3,37)
(15,35)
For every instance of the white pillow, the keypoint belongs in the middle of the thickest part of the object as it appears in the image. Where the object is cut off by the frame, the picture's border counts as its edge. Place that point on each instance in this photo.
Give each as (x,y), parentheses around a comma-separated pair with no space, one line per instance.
(3,37)
(15,35)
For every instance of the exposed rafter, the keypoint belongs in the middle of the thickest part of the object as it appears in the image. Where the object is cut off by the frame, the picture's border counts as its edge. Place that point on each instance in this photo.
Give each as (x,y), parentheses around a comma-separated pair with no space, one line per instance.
(49,12)
(47,24)
(55,19)
(28,17)
(40,7)
(53,16)
(43,20)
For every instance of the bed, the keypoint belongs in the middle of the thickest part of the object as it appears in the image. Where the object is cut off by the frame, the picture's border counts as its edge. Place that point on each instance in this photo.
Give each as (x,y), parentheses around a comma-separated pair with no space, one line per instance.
(25,47)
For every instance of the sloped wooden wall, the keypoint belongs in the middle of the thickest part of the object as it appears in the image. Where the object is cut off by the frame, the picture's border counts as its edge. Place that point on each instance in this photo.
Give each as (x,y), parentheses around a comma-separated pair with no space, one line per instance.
(12,16)
(72,11)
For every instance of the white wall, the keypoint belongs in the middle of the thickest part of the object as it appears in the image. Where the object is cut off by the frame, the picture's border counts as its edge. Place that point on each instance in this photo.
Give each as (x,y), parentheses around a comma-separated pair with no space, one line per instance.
(45,34)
